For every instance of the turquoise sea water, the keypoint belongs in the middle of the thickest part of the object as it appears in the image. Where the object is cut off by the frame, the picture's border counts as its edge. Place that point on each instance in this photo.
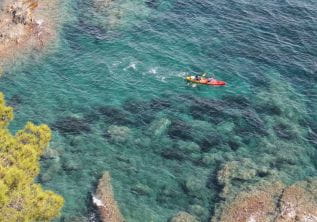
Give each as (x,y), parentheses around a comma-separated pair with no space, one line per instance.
(113,93)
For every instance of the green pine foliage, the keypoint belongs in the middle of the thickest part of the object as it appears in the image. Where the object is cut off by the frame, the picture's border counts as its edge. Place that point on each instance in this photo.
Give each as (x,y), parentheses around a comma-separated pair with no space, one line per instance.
(21,199)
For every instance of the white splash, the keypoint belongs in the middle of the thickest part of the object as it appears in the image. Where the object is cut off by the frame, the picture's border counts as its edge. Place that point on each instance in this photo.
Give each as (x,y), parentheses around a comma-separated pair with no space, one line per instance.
(182,74)
(97,202)
(132,65)
(153,70)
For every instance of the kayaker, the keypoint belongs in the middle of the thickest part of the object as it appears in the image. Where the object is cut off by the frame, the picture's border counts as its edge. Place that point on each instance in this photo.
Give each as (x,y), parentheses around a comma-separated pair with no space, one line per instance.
(210,79)
(197,78)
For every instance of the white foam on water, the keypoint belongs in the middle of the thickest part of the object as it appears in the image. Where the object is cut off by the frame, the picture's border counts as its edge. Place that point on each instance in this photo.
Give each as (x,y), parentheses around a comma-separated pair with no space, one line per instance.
(163,79)
(182,74)
(153,70)
(97,202)
(132,65)
(116,64)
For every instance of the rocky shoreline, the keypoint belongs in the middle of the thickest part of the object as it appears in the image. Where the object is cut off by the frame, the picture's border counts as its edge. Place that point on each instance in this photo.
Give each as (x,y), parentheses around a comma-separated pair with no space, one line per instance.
(271,202)
(264,201)
(25,25)
(105,201)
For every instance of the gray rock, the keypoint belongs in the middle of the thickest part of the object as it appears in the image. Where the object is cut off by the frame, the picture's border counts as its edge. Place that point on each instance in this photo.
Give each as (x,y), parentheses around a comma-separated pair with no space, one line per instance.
(189,147)
(50,153)
(71,165)
(49,173)
(159,127)
(193,185)
(119,134)
(198,210)
(141,189)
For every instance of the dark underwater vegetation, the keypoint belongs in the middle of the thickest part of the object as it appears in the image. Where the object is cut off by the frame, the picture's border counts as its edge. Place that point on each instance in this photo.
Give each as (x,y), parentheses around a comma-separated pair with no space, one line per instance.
(112,91)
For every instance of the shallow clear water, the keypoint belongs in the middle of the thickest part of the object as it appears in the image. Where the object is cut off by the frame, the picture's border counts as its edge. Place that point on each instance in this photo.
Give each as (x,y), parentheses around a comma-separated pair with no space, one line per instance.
(124,66)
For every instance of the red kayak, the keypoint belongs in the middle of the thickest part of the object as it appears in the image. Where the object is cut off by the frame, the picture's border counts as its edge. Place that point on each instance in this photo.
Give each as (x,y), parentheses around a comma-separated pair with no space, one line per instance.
(205,81)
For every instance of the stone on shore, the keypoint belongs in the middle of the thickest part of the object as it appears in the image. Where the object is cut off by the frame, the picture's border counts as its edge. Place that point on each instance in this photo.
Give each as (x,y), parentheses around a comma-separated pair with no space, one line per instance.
(105,201)
(119,134)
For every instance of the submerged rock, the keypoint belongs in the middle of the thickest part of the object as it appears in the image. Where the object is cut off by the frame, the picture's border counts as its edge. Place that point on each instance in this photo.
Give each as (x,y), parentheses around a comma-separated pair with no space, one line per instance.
(237,101)
(188,147)
(209,110)
(119,134)
(136,106)
(102,3)
(49,173)
(141,110)
(173,154)
(160,104)
(105,201)
(235,142)
(50,153)
(15,100)
(193,185)
(141,189)
(114,13)
(159,127)
(198,210)
(210,141)
(152,3)
(226,127)
(251,122)
(71,125)
(180,130)
(209,159)
(183,217)
(269,108)
(71,165)
(114,115)
(285,131)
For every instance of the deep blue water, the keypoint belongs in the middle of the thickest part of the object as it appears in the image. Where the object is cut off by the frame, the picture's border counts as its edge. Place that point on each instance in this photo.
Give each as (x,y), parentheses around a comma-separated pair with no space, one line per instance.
(124,66)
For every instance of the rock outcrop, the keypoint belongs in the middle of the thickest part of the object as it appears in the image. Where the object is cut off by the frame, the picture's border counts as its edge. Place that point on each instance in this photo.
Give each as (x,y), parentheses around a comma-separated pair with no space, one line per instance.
(273,202)
(298,203)
(25,24)
(105,201)
(239,173)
